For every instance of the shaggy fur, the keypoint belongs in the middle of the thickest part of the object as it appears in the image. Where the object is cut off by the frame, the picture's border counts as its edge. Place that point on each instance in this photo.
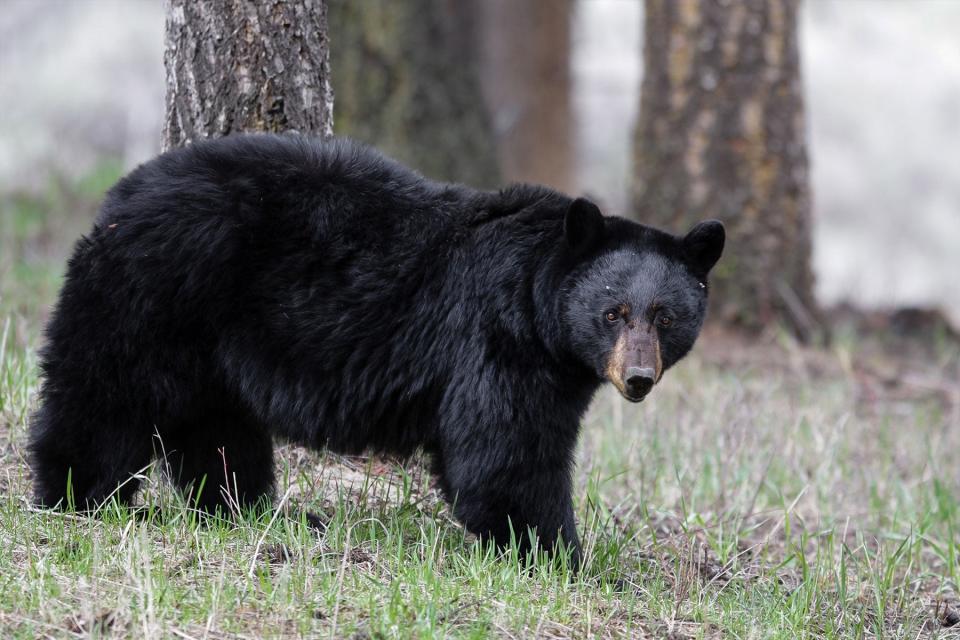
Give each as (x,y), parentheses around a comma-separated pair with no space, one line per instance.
(255,287)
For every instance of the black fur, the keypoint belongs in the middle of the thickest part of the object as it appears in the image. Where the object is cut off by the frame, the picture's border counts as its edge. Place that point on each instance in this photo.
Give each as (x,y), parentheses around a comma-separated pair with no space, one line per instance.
(261,286)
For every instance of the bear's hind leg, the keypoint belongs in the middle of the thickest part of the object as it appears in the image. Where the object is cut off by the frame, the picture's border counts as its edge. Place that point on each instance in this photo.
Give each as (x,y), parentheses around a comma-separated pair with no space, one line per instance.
(222,461)
(80,460)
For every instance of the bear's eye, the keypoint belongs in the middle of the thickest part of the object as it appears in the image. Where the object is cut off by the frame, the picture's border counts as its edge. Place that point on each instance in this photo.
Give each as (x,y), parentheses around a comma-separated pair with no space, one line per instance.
(612,315)
(664,320)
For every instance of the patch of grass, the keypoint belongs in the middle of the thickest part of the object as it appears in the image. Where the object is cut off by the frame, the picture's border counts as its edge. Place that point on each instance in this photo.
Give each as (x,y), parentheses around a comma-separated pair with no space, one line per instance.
(756,505)
(763,491)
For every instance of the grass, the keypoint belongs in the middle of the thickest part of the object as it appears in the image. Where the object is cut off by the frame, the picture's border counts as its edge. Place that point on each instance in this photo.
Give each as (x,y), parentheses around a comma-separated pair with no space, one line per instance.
(763,491)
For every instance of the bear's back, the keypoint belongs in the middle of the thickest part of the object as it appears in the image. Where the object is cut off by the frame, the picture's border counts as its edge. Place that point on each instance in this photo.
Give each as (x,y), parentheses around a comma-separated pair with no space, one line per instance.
(269,179)
(214,216)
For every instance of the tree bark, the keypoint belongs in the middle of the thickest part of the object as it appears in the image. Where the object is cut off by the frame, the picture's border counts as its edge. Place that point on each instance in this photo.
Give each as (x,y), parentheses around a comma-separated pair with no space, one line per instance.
(406,79)
(246,66)
(525,68)
(721,135)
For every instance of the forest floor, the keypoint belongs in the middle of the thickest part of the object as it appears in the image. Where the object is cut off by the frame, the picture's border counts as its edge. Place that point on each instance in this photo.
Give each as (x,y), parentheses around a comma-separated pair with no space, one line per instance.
(765,489)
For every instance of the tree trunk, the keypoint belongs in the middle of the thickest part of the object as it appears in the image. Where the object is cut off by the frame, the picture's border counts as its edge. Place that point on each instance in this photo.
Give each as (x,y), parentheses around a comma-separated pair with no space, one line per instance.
(246,66)
(406,79)
(526,78)
(721,135)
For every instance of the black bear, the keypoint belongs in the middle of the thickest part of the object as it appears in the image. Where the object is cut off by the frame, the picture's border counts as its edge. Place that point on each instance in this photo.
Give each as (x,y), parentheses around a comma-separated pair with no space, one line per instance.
(263,286)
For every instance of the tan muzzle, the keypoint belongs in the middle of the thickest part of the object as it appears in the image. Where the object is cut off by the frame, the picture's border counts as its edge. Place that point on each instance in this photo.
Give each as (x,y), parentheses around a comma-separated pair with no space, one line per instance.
(635,366)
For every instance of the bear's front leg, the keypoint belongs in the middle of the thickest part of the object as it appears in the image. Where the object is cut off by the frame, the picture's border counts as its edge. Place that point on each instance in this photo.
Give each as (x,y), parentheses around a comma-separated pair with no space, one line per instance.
(502,496)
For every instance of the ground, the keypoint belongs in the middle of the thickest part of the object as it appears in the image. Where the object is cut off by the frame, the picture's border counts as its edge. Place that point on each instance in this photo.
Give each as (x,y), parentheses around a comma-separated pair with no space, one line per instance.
(765,489)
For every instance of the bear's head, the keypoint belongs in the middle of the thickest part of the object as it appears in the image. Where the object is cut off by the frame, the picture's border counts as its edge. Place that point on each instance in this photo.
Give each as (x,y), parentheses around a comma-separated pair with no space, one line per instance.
(636,297)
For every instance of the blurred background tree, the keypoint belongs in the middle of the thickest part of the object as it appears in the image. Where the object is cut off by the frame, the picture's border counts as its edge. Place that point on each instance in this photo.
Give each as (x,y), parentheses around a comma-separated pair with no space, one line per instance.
(721,134)
(246,66)
(406,79)
(525,68)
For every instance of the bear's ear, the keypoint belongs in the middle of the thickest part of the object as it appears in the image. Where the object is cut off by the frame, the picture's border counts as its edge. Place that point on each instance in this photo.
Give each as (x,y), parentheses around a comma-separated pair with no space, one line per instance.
(583,226)
(703,245)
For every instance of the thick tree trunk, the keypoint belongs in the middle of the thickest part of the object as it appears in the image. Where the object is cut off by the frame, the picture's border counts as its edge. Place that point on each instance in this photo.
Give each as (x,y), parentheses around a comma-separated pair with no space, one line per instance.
(246,66)
(526,77)
(721,135)
(406,79)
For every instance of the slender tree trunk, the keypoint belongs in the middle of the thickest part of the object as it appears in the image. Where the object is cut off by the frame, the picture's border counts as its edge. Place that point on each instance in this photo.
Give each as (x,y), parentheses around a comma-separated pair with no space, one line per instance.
(526,78)
(406,78)
(721,135)
(236,66)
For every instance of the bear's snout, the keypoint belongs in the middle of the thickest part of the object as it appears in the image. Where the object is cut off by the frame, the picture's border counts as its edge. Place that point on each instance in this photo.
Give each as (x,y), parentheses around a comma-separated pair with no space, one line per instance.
(634,365)
(639,381)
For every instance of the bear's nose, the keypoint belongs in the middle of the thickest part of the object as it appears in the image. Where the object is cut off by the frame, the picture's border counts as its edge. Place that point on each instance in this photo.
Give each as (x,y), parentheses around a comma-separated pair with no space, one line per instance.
(639,382)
